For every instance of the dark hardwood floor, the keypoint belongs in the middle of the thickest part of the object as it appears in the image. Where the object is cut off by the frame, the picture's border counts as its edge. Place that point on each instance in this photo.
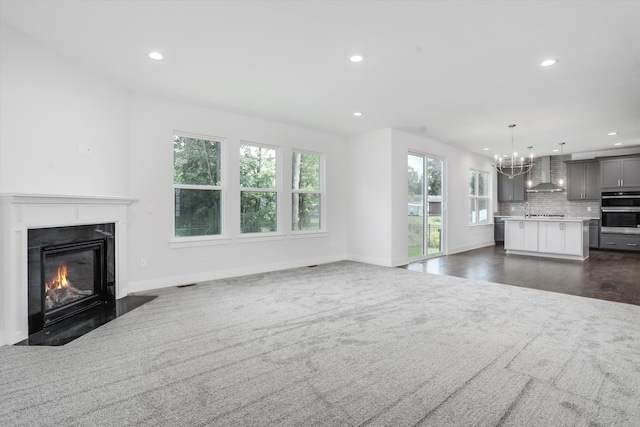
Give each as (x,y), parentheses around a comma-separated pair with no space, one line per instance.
(607,275)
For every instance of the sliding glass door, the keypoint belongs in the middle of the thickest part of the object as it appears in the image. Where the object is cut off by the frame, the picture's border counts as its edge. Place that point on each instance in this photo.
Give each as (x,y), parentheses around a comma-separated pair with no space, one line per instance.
(425,205)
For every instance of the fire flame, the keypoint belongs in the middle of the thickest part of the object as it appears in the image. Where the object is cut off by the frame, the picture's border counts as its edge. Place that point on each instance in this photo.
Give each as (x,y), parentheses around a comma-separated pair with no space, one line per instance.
(58,282)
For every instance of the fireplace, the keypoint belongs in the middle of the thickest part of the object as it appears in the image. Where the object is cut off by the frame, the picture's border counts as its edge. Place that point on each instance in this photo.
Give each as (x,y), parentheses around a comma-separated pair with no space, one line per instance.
(20,214)
(70,270)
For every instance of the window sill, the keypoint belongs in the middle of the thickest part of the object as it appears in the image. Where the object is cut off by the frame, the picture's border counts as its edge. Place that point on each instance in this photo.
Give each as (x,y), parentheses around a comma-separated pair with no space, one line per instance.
(304,234)
(190,242)
(260,237)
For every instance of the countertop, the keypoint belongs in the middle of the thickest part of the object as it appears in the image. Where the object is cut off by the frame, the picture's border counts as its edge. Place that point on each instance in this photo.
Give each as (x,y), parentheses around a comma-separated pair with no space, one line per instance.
(548,218)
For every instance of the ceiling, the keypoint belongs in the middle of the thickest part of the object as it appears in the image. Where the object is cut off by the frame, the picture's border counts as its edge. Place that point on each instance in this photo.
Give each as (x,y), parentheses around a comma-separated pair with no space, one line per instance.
(455,71)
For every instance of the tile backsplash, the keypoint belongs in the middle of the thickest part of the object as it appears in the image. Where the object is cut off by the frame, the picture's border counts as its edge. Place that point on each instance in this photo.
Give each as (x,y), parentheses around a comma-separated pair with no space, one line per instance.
(552,203)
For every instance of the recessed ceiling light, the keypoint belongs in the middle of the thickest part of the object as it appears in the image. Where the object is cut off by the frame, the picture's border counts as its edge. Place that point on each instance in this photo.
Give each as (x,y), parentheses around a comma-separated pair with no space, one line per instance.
(155,55)
(356,58)
(555,150)
(357,114)
(618,143)
(485,149)
(548,62)
(612,133)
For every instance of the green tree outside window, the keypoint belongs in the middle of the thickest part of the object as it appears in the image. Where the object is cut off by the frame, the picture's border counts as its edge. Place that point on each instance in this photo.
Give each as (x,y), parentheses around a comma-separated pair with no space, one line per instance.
(197,186)
(305,192)
(258,193)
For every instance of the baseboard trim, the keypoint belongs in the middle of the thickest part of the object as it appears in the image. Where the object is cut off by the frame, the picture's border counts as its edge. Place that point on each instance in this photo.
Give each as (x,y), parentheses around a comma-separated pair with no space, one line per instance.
(368,260)
(470,247)
(167,282)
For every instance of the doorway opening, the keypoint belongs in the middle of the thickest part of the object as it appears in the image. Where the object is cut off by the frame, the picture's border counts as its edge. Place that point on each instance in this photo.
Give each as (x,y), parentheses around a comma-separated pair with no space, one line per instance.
(425,206)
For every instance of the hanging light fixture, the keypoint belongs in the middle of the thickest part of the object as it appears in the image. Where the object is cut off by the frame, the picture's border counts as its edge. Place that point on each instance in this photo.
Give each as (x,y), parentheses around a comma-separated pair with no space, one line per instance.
(561,181)
(516,166)
(529,181)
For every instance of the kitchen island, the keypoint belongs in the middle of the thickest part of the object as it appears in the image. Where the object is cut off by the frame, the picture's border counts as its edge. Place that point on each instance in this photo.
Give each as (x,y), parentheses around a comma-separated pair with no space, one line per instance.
(566,238)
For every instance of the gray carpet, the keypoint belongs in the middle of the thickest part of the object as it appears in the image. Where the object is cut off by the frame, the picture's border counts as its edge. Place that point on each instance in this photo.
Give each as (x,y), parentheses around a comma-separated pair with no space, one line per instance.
(339,344)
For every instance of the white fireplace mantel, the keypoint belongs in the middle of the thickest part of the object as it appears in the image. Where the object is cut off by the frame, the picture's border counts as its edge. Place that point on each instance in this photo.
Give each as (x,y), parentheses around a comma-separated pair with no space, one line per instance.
(21,212)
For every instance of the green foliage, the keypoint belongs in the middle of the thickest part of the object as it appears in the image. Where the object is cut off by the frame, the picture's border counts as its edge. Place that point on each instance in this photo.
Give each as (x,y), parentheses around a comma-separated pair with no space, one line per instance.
(257,167)
(306,209)
(483,184)
(306,171)
(434,172)
(472,182)
(258,209)
(415,182)
(416,234)
(306,177)
(434,179)
(197,212)
(196,162)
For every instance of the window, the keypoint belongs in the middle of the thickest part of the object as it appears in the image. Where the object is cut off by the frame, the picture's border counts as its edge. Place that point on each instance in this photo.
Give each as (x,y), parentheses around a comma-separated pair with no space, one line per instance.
(306,197)
(197,186)
(258,193)
(479,197)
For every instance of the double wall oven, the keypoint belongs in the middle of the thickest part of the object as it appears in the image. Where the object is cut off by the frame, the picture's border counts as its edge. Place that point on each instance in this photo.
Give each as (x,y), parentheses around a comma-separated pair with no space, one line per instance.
(621,212)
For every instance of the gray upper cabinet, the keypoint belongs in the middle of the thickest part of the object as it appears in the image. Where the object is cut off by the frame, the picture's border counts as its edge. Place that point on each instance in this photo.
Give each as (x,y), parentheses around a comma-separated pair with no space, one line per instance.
(620,173)
(510,190)
(582,180)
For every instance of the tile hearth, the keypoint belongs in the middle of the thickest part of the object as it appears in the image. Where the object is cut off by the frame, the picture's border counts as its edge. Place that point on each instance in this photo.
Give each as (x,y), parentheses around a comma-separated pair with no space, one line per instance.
(72,328)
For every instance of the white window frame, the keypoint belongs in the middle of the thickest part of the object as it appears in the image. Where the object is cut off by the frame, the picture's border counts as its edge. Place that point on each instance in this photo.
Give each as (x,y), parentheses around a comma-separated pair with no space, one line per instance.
(321,192)
(179,241)
(474,199)
(277,190)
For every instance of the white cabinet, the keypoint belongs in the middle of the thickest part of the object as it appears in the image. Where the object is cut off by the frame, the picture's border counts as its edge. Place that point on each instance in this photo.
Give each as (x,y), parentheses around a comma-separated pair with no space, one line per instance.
(574,239)
(568,238)
(551,237)
(521,235)
(559,237)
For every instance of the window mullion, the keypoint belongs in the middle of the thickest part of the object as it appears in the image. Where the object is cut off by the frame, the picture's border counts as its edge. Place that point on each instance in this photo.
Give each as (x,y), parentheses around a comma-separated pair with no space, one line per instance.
(306,191)
(259,190)
(197,187)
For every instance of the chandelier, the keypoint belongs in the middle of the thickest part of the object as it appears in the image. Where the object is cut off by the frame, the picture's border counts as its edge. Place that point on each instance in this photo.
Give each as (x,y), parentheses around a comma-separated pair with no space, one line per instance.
(515,166)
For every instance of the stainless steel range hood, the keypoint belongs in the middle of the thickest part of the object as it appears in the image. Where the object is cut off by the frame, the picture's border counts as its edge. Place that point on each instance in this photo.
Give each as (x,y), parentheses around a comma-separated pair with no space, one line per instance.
(546,186)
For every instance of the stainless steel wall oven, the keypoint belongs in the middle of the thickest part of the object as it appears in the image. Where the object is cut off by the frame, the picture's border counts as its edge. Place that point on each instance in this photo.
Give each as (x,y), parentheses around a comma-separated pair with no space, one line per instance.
(621,212)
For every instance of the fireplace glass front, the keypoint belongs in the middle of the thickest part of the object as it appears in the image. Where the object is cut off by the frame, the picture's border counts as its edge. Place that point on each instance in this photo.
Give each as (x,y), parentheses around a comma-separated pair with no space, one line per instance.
(73,279)
(71,270)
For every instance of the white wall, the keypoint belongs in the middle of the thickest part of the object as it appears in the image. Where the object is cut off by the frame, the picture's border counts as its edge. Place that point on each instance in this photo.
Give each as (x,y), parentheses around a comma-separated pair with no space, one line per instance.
(48,108)
(378,208)
(369,199)
(460,236)
(153,123)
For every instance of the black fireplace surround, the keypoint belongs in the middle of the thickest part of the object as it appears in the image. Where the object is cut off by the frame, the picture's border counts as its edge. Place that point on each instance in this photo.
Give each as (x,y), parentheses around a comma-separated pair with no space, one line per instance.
(70,270)
(72,283)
